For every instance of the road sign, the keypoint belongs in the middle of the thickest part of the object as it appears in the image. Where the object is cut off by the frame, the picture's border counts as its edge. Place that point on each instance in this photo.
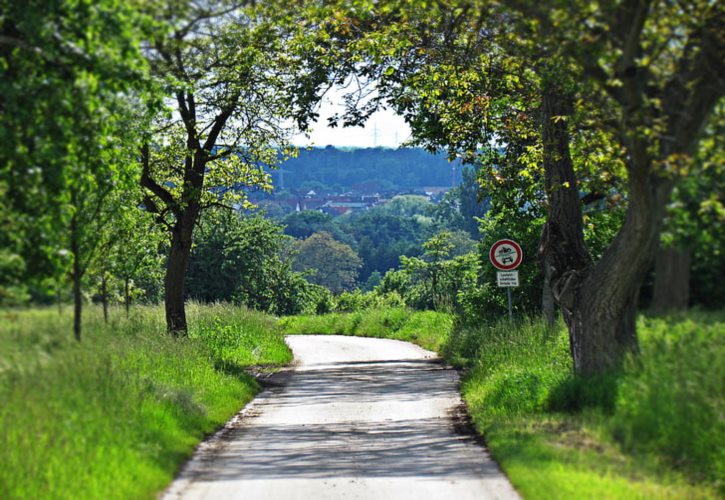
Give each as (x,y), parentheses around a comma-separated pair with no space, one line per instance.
(505,255)
(507,278)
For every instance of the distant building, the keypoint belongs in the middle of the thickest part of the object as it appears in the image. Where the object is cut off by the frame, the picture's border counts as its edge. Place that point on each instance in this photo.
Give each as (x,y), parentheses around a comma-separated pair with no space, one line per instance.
(435,190)
(346,203)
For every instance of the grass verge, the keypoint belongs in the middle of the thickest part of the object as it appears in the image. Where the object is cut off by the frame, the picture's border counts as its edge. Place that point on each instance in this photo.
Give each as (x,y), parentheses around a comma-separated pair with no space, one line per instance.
(557,436)
(115,416)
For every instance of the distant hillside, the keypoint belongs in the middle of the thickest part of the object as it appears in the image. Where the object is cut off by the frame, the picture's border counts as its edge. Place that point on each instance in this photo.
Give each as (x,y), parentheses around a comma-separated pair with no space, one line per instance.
(383,169)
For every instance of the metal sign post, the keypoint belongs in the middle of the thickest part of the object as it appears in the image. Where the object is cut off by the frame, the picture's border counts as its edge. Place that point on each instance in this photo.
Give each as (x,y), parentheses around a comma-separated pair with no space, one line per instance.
(511,314)
(506,255)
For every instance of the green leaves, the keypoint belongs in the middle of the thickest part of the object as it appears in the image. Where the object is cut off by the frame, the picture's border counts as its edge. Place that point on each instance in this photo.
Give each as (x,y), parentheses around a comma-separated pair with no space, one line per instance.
(69,73)
(329,263)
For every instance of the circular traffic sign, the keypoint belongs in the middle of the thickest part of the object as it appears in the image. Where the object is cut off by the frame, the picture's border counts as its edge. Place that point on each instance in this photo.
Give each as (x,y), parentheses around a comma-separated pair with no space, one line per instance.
(505,255)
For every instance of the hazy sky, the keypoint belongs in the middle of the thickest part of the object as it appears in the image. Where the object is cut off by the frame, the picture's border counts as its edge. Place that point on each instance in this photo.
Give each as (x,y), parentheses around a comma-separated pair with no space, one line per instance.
(384,128)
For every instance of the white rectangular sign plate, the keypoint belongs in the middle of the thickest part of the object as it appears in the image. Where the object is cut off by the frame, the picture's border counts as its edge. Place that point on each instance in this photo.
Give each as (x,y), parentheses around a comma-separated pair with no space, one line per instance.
(507,278)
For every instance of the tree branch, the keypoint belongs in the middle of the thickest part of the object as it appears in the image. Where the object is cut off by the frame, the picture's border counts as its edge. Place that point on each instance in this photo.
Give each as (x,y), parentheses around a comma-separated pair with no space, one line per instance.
(698,85)
(220,121)
(150,184)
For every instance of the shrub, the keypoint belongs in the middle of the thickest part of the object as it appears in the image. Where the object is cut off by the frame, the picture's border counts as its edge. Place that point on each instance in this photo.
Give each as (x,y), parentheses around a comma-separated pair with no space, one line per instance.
(319,300)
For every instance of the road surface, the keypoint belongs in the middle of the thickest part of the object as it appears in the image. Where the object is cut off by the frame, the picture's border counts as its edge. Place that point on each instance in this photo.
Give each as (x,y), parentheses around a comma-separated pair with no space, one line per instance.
(357,418)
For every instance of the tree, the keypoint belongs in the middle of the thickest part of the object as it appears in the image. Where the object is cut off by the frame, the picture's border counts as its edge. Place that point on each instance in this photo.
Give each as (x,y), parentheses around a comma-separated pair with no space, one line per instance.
(242,259)
(448,267)
(232,86)
(382,238)
(303,224)
(136,259)
(70,73)
(96,205)
(658,66)
(652,68)
(431,267)
(694,232)
(407,205)
(464,204)
(333,264)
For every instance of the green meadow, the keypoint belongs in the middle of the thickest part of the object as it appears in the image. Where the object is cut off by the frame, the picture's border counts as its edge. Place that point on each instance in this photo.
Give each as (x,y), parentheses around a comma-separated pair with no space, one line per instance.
(116,415)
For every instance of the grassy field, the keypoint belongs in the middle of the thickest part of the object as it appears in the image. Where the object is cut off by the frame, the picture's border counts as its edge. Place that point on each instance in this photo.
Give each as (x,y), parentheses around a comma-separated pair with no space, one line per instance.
(115,416)
(656,430)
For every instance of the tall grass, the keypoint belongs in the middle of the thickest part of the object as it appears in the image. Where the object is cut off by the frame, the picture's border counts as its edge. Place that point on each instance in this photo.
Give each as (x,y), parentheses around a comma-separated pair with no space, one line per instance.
(651,429)
(672,401)
(114,416)
(513,367)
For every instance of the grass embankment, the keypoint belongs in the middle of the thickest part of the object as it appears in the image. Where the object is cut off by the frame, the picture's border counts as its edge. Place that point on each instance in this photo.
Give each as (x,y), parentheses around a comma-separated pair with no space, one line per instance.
(115,416)
(655,430)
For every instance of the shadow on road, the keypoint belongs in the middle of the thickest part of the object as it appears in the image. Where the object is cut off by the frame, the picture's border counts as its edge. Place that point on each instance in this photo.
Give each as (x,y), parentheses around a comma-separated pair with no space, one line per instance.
(360,446)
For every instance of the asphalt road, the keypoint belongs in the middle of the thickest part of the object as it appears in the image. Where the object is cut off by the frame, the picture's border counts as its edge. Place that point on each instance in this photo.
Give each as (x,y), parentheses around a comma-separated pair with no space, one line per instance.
(357,418)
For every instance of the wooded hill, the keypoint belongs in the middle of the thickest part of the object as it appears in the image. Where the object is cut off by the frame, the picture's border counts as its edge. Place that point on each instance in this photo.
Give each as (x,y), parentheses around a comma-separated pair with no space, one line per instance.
(379,169)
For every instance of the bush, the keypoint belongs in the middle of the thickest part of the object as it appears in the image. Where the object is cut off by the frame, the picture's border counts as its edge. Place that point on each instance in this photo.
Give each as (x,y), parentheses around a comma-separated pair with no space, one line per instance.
(319,300)
(360,301)
(352,301)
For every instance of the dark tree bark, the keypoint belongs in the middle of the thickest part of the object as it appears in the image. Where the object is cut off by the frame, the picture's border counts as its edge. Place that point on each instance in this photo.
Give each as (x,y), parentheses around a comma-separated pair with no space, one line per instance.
(599,302)
(548,304)
(177,266)
(186,216)
(104,296)
(76,275)
(562,253)
(126,295)
(672,280)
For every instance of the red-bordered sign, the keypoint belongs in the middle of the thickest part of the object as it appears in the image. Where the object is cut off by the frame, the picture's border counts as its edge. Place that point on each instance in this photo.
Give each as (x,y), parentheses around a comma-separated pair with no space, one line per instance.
(505,255)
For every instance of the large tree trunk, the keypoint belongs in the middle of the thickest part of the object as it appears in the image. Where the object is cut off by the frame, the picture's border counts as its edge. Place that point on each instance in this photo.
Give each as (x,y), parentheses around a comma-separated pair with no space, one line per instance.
(177,265)
(598,302)
(561,249)
(604,304)
(672,280)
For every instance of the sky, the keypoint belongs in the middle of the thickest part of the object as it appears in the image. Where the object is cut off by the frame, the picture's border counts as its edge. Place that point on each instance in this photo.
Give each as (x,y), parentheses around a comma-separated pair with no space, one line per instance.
(383,129)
